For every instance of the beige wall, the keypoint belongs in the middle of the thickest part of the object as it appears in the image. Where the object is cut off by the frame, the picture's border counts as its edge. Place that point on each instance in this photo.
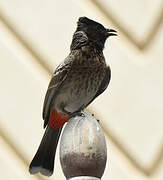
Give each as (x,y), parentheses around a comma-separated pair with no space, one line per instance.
(35,37)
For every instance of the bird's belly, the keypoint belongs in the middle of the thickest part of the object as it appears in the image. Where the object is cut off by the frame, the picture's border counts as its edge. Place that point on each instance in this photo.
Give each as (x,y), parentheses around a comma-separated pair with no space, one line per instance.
(75,96)
(79,89)
(78,102)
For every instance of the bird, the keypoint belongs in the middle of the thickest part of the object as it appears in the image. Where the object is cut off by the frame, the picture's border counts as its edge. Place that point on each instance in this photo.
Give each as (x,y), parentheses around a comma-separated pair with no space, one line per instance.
(76,82)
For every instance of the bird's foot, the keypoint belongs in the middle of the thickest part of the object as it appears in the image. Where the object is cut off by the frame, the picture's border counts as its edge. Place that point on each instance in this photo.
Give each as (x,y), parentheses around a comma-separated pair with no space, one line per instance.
(78,113)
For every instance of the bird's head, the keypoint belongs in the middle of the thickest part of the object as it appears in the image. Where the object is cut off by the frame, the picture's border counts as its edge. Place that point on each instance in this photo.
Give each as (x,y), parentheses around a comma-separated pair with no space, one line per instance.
(92,33)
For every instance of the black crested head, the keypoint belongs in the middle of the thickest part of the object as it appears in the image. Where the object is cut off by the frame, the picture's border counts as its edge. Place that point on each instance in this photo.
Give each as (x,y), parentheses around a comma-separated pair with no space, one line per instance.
(91,33)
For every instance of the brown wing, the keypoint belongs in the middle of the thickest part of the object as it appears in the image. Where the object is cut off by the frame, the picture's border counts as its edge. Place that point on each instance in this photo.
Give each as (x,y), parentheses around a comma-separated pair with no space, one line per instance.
(104,84)
(55,84)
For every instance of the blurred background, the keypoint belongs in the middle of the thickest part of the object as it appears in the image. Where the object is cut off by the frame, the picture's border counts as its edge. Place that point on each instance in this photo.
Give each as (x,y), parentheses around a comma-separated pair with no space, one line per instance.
(35,36)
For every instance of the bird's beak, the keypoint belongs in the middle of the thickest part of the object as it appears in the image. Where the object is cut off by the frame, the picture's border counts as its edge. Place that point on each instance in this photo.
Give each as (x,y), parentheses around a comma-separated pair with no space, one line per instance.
(111,32)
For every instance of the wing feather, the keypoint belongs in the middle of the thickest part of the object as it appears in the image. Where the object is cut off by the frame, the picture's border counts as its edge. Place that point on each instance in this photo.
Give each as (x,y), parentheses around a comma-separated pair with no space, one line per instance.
(55,84)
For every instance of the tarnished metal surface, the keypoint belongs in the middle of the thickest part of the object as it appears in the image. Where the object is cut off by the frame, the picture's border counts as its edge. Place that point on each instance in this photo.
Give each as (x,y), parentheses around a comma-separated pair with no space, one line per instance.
(83,147)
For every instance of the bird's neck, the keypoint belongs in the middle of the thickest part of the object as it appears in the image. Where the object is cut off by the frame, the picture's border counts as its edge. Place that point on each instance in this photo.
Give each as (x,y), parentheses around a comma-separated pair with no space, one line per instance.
(91,51)
(88,55)
(80,40)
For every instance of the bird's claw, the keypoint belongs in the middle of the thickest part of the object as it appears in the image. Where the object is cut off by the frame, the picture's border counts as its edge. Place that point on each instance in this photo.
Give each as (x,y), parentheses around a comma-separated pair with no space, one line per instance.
(79,113)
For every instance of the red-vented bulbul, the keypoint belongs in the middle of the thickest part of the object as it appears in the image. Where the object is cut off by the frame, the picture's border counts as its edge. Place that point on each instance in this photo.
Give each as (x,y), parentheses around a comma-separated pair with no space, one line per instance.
(76,82)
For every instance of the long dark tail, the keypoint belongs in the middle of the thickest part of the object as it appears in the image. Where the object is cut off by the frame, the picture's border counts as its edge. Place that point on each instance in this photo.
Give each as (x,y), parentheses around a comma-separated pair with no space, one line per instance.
(43,160)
